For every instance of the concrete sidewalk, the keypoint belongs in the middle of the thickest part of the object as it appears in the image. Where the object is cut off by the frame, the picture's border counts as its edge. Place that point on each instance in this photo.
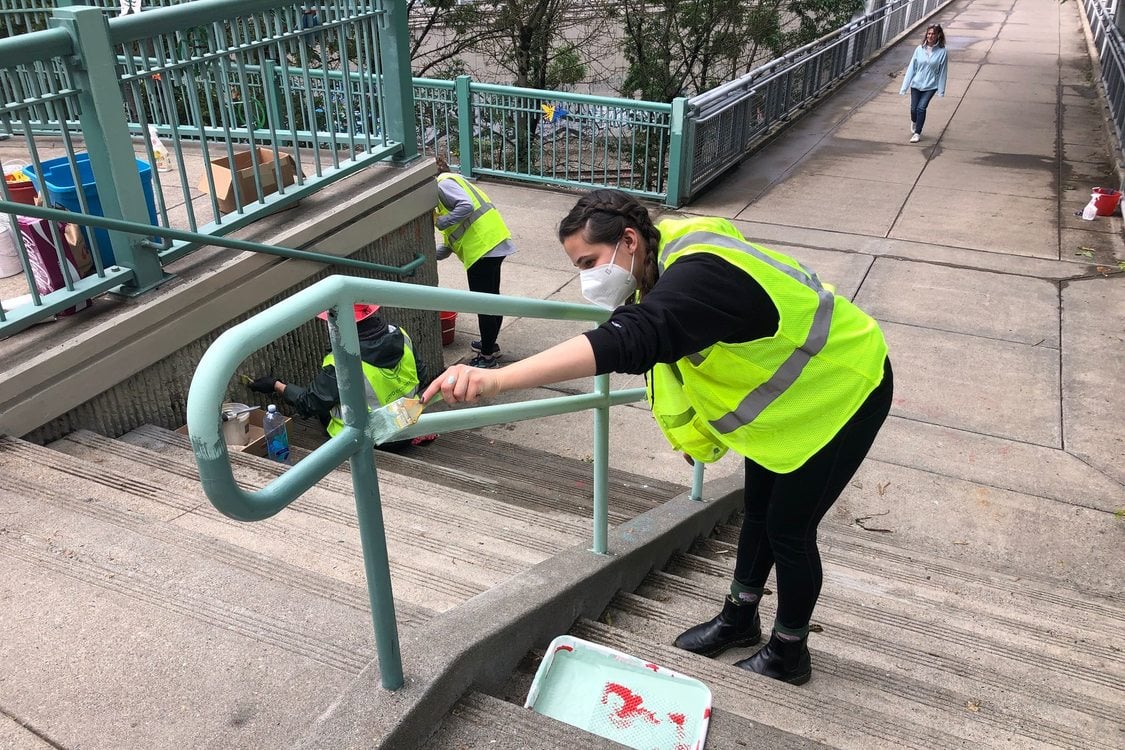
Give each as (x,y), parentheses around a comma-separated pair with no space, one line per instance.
(1004,311)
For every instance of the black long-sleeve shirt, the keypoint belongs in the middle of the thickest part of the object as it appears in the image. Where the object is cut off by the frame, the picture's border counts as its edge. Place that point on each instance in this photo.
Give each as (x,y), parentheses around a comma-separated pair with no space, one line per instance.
(698,301)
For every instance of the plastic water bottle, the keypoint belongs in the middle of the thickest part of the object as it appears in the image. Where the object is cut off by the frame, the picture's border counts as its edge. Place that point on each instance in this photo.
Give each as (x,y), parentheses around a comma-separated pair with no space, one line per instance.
(159,151)
(277,437)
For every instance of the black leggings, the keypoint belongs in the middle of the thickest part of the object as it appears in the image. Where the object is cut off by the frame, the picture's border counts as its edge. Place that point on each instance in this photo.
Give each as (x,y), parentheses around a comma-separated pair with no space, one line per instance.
(484,276)
(783,510)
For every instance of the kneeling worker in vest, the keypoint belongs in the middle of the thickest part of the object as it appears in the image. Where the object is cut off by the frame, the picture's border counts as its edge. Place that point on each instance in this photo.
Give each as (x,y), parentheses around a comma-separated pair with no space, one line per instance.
(388,365)
(745,350)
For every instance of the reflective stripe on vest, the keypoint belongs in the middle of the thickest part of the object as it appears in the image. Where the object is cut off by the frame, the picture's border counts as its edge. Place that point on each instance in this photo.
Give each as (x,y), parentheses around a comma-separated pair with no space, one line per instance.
(786,375)
(484,206)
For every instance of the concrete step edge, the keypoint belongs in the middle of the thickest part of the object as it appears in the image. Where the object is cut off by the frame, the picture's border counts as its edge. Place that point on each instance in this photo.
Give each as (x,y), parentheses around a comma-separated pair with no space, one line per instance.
(342,479)
(186,470)
(935,697)
(947,631)
(236,557)
(116,484)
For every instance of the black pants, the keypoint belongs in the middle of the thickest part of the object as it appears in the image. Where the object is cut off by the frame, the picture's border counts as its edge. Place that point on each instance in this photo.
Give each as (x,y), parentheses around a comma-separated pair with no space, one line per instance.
(484,276)
(783,510)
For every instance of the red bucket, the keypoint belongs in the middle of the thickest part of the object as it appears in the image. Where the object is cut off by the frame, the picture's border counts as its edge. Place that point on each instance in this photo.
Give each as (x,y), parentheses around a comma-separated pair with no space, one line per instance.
(1106,200)
(448,327)
(21,191)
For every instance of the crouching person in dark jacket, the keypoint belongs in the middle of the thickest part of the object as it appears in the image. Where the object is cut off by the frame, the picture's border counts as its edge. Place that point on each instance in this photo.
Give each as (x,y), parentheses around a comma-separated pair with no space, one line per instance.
(389,367)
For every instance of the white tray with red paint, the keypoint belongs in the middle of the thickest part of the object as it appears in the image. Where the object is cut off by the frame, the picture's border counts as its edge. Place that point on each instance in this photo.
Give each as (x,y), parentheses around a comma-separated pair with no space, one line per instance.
(620,697)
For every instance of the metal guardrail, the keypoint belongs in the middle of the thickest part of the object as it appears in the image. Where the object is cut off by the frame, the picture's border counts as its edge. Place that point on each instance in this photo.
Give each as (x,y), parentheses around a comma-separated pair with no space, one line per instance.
(728,122)
(1110,44)
(261,80)
(355,442)
(247,98)
(110,279)
(551,137)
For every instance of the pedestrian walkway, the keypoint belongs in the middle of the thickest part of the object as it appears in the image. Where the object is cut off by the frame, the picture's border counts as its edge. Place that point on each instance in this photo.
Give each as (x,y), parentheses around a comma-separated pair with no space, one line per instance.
(1003,310)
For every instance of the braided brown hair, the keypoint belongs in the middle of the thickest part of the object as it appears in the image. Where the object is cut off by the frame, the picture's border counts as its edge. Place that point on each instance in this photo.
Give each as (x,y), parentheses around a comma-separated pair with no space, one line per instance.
(602,216)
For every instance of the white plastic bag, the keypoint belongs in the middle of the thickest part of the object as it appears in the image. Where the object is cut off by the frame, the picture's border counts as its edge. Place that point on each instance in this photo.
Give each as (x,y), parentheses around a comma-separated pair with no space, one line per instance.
(1091,211)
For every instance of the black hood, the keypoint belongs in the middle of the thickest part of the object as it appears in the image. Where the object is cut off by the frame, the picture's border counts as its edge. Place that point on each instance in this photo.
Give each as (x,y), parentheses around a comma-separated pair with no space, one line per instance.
(380,344)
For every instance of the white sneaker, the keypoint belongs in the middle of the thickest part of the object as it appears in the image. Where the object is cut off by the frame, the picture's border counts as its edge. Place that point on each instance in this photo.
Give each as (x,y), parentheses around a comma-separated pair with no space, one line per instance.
(915,138)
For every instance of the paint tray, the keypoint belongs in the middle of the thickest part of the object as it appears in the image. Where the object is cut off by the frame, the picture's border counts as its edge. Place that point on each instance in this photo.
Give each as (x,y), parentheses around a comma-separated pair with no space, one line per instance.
(620,697)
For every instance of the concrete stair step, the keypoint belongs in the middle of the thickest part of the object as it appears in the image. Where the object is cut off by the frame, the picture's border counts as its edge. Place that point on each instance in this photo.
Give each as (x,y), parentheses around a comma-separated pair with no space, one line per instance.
(877,562)
(865,571)
(930,678)
(836,718)
(540,531)
(995,654)
(115,627)
(250,561)
(521,469)
(433,565)
(965,664)
(481,721)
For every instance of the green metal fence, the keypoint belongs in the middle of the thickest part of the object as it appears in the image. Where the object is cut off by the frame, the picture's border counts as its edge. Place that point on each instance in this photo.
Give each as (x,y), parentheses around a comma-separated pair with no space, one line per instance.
(551,137)
(302,95)
(355,442)
(257,103)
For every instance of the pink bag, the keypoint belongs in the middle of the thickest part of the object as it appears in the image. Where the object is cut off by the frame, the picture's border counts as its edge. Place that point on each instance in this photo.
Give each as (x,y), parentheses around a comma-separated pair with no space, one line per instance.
(44,261)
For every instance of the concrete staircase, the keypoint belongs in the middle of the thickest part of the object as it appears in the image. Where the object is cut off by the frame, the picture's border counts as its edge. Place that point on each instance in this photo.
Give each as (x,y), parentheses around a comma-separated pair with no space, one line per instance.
(909,651)
(138,616)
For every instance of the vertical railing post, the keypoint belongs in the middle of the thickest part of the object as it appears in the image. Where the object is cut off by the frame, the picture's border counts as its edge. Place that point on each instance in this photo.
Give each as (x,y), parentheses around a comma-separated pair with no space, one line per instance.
(368,506)
(398,81)
(601,468)
(679,168)
(272,91)
(464,125)
(697,480)
(106,134)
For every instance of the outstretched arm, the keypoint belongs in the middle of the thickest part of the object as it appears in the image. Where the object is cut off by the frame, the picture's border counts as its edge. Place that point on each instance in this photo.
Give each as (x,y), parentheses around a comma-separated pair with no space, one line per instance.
(573,358)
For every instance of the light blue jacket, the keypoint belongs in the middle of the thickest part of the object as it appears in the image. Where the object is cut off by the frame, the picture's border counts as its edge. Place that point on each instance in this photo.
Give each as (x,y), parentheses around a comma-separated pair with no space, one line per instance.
(926,73)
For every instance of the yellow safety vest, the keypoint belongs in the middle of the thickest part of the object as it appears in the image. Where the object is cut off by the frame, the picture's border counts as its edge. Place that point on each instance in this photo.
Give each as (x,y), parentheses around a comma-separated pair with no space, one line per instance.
(471,238)
(776,400)
(381,384)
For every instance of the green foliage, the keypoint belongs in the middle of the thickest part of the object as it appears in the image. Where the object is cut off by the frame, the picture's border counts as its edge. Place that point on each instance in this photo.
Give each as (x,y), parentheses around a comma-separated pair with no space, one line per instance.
(565,68)
(682,47)
(818,17)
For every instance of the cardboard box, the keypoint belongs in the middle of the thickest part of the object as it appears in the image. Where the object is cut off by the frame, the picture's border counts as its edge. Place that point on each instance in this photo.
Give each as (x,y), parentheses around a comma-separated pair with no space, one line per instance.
(256,438)
(242,174)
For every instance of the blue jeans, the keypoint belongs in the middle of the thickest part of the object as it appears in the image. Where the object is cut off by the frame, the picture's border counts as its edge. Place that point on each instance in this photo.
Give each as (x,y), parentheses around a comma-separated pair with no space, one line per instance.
(919,100)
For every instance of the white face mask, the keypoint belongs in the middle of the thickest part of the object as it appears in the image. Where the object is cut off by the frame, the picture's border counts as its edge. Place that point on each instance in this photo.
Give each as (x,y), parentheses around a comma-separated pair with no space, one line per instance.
(608,285)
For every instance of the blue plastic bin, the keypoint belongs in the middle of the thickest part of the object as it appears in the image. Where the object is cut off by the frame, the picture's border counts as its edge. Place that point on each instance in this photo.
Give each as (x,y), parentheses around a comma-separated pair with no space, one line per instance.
(58,186)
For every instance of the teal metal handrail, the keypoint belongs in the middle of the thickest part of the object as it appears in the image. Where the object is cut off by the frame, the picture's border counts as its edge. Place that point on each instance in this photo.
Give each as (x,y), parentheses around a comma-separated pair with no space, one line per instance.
(356,440)
(13,321)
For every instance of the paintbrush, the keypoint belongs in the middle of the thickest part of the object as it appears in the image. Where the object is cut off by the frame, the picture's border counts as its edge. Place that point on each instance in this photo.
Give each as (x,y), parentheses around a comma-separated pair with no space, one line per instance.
(397,416)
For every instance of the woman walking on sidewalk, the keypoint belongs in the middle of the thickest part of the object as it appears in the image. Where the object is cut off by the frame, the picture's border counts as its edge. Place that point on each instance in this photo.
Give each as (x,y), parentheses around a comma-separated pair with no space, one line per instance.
(925,76)
(745,350)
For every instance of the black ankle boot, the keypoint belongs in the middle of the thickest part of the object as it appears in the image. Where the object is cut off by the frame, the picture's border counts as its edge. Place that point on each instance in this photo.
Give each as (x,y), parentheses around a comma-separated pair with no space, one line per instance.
(736,625)
(782,660)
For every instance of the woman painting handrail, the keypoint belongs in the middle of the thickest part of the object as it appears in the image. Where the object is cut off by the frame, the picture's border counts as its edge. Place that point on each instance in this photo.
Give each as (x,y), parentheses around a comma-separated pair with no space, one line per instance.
(745,350)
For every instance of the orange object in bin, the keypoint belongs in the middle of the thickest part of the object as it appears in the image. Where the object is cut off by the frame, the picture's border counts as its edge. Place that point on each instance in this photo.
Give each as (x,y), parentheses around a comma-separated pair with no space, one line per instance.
(448,327)
(1106,200)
